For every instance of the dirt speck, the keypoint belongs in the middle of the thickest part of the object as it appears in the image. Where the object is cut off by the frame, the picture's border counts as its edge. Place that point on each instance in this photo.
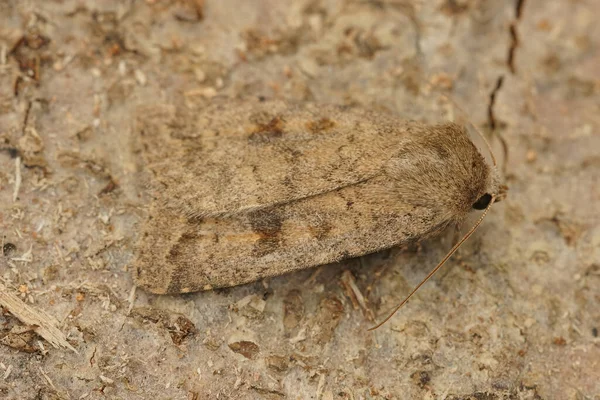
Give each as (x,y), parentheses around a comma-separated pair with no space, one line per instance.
(246,348)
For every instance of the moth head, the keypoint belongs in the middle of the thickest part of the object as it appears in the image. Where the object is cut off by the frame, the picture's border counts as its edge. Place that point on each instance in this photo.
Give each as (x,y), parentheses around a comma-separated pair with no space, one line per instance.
(439,168)
(496,191)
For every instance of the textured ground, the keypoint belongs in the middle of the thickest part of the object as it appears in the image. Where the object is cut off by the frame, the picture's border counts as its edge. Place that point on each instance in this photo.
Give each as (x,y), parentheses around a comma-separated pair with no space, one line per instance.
(515,315)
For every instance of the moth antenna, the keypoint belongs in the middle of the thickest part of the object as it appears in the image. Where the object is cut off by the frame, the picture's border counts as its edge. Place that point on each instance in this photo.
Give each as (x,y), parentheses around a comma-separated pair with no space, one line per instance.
(433,271)
(489,147)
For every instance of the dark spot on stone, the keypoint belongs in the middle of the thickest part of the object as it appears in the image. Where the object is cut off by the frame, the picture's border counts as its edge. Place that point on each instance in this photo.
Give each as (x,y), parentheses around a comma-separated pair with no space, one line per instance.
(178,326)
(181,329)
(262,99)
(266,132)
(349,204)
(559,341)
(13,152)
(277,363)
(267,293)
(321,125)
(8,249)
(109,188)
(246,348)
(424,378)
(421,378)
(595,332)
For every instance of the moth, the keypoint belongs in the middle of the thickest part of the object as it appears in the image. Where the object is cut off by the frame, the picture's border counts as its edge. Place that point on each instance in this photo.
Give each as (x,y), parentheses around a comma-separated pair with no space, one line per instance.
(246,189)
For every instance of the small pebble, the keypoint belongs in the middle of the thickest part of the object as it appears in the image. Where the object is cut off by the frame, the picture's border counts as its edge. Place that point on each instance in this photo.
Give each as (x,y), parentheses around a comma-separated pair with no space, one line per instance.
(8,249)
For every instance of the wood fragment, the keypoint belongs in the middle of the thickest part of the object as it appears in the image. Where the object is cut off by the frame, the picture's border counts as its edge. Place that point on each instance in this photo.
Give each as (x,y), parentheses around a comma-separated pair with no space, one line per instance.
(320,386)
(355,294)
(45,324)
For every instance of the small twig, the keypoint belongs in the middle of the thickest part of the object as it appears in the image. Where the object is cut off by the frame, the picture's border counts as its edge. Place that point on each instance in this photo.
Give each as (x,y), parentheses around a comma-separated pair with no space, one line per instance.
(355,294)
(131,299)
(17,178)
(48,379)
(349,293)
(8,371)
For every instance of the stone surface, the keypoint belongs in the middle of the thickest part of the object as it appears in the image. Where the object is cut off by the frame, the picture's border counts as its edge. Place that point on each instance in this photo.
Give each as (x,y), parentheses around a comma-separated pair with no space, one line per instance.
(515,315)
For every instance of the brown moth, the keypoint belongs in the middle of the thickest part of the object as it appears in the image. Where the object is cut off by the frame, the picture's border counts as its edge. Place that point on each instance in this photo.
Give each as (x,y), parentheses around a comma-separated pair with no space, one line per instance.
(245,190)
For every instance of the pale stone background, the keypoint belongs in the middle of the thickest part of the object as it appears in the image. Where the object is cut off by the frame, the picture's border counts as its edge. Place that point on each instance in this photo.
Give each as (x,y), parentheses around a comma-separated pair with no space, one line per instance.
(515,315)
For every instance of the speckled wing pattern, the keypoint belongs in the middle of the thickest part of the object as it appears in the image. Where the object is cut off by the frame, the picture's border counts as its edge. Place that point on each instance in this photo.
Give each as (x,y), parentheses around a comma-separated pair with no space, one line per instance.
(245,190)
(237,156)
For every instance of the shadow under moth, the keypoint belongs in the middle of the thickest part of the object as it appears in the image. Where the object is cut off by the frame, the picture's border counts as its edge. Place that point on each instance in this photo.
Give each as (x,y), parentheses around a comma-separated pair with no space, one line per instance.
(245,189)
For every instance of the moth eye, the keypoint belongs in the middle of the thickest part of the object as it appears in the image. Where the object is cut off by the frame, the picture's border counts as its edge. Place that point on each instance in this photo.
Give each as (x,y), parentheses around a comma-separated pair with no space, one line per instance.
(483,202)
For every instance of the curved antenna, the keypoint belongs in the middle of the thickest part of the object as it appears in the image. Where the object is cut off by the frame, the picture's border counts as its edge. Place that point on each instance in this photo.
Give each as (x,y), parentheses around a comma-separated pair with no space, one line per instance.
(489,147)
(450,253)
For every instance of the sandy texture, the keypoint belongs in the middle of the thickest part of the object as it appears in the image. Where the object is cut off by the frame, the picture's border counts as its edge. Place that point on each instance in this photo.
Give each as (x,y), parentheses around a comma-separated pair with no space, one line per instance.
(515,316)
